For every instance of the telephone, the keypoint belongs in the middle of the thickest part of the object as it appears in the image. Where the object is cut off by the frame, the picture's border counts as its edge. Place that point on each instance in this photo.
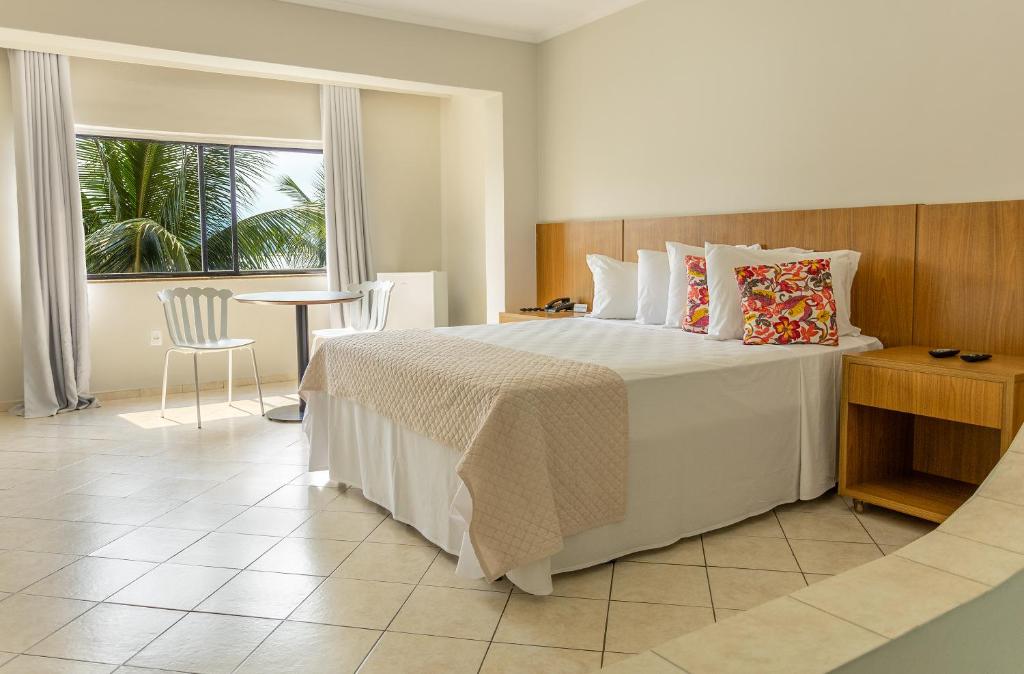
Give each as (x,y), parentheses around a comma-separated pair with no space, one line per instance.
(555,305)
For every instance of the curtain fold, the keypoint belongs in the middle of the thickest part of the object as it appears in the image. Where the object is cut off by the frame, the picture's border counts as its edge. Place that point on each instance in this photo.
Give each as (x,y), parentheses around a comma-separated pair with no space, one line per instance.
(54,304)
(348,240)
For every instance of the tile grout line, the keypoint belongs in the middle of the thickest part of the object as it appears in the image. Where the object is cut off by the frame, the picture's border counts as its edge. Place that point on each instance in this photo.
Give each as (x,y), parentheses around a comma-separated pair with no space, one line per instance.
(608,612)
(789,545)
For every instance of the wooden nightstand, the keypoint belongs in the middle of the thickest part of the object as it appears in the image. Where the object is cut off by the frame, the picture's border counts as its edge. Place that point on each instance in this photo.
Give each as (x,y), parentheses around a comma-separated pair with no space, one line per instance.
(516,316)
(919,434)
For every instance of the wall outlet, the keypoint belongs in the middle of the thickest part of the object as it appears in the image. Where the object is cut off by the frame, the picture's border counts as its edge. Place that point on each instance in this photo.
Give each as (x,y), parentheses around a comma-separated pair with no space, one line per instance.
(156,338)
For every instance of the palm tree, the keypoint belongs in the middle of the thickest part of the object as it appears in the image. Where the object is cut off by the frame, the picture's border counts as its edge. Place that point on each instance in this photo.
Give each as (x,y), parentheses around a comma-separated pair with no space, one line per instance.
(141,210)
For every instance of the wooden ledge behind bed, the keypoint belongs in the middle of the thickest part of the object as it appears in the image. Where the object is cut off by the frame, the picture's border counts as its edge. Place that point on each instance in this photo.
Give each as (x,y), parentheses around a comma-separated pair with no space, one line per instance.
(938,274)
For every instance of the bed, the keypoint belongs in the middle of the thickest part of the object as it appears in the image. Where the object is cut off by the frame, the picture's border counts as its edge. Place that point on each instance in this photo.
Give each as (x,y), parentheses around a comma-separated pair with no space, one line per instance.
(718,432)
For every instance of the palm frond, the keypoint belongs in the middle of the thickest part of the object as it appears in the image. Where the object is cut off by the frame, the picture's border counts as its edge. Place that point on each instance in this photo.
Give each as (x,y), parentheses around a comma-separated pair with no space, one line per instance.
(134,246)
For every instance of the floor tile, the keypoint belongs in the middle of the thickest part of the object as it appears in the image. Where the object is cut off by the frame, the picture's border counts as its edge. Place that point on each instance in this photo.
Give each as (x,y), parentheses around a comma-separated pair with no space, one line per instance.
(765,525)
(205,643)
(891,528)
(34,664)
(450,612)
(303,497)
(387,562)
(235,551)
(991,522)
(267,521)
(390,531)
(829,502)
(19,569)
(15,532)
(25,619)
(746,588)
(976,561)
(114,485)
(687,551)
(661,583)
(236,491)
(442,574)
(398,653)
(352,500)
(353,603)
(564,622)
(150,544)
(647,663)
(260,594)
(311,556)
(306,647)
(784,638)
(749,552)
(844,527)
(833,557)
(517,659)
(77,538)
(90,579)
(174,586)
(591,583)
(181,489)
(341,526)
(199,516)
(726,613)
(108,633)
(867,595)
(636,627)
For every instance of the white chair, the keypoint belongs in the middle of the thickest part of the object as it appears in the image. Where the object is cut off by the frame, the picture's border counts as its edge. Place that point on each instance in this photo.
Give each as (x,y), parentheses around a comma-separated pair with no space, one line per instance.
(202,333)
(369,314)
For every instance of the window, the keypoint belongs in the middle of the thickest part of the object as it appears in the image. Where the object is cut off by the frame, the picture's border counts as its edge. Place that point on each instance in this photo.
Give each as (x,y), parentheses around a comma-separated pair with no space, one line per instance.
(157,208)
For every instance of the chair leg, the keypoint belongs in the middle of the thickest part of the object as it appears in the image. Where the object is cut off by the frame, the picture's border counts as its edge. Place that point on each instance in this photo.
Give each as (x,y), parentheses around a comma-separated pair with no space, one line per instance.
(256,372)
(163,396)
(230,377)
(195,375)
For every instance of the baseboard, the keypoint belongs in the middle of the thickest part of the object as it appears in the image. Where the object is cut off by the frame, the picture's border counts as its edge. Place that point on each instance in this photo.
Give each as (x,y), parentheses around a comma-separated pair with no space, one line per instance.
(148,392)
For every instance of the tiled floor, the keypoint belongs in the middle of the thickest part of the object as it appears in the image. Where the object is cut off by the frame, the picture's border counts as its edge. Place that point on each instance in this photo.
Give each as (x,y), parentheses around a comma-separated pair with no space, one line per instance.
(129,542)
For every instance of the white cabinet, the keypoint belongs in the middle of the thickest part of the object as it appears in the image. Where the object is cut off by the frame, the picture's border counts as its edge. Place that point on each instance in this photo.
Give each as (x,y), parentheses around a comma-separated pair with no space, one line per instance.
(419,299)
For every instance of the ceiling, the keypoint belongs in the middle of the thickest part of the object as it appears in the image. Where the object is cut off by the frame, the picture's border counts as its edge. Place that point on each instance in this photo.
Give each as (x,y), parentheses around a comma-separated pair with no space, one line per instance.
(526,20)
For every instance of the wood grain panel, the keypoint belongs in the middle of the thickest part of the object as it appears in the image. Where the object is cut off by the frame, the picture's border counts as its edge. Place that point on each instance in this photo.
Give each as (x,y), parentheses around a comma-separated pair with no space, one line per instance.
(562,249)
(969,263)
(957,451)
(883,291)
(970,401)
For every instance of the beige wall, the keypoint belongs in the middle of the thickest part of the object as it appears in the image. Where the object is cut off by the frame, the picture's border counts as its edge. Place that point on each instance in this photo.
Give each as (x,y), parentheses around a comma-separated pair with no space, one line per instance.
(403,171)
(674,107)
(280,35)
(401,137)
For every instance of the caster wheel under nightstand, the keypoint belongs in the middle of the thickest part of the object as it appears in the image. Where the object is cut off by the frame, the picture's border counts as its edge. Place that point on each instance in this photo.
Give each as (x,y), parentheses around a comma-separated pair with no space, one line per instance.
(858,505)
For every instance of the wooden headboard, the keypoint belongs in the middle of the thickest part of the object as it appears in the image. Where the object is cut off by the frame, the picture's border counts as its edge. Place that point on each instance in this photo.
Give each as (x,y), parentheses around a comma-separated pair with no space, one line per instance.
(929,274)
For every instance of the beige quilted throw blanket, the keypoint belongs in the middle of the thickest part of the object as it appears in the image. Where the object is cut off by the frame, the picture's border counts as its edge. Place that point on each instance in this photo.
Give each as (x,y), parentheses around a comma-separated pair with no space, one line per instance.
(543,440)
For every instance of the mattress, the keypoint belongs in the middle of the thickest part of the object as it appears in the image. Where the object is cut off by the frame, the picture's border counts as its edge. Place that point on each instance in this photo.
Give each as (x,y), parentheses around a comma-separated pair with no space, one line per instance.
(718,432)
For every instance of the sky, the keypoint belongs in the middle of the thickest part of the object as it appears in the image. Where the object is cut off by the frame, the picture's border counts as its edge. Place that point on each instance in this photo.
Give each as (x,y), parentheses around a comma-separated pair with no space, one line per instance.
(301,166)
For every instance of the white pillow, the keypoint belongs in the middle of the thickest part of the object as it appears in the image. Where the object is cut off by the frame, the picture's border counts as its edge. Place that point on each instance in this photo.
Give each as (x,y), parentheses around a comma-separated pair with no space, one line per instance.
(652,286)
(615,284)
(726,315)
(677,283)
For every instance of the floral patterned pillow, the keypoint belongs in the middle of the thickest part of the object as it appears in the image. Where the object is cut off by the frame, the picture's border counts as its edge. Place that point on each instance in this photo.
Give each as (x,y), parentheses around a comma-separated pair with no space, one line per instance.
(695,318)
(788,303)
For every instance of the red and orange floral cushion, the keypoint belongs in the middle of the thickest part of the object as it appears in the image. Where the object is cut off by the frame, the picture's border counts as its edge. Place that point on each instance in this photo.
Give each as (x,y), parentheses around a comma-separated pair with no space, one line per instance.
(695,318)
(788,303)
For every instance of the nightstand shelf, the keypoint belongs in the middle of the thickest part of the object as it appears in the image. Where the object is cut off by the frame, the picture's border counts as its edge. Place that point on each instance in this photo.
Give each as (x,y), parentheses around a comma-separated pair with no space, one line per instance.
(919,434)
(924,495)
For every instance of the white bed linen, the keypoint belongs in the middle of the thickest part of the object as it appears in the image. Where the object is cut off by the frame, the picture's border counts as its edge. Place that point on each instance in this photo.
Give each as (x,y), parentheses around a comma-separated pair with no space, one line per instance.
(718,432)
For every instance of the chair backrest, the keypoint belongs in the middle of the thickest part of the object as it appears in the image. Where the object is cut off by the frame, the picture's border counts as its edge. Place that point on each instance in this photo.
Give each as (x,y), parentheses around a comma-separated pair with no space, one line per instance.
(193,317)
(371,312)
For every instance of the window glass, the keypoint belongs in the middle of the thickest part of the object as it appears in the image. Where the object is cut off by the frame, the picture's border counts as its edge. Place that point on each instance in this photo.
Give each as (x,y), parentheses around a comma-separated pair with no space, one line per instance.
(261,209)
(280,208)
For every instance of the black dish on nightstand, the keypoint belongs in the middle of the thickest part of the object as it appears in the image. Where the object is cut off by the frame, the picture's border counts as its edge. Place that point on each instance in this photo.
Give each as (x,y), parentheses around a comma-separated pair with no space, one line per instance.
(943,353)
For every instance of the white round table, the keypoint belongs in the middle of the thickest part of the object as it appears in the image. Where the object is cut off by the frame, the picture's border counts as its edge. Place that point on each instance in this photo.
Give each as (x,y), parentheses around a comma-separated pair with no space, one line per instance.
(301,300)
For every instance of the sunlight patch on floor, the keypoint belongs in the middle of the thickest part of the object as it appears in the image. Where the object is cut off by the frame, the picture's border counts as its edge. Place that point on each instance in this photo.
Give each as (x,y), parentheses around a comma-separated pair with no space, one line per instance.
(219,411)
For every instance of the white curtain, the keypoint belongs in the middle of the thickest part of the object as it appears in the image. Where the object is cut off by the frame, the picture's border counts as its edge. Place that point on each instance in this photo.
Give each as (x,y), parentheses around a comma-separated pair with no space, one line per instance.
(54,306)
(348,243)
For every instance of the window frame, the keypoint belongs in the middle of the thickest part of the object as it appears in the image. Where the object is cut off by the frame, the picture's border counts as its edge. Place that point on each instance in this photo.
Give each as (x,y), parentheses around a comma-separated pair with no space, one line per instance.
(205,272)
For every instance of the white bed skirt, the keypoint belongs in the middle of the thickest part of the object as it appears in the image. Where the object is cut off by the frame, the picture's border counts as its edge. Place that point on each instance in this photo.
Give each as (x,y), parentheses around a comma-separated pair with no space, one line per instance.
(672,494)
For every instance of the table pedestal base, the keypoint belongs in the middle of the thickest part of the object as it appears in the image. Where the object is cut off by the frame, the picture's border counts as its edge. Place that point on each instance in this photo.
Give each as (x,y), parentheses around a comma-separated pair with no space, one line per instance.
(285,414)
